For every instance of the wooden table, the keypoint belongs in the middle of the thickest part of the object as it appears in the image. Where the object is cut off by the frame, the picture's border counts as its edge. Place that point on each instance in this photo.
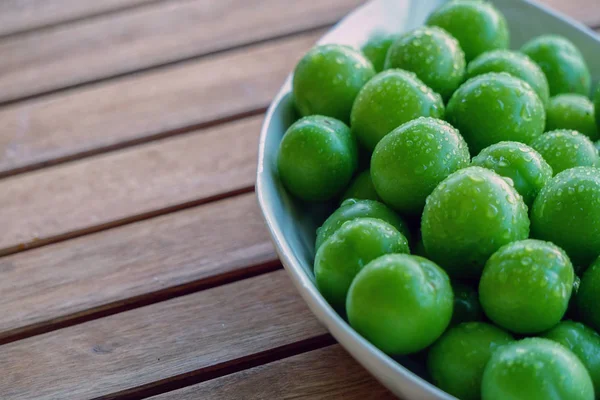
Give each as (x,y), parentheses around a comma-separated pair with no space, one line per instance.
(134,261)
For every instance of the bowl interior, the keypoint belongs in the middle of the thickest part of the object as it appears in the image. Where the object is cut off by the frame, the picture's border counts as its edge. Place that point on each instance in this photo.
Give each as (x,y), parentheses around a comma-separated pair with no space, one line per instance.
(293,223)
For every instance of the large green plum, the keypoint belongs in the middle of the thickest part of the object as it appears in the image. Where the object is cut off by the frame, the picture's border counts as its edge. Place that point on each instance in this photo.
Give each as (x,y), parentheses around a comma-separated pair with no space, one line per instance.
(317,158)
(390,99)
(478,26)
(564,149)
(535,369)
(409,162)
(327,80)
(526,286)
(562,63)
(469,216)
(567,213)
(431,53)
(496,107)
(400,303)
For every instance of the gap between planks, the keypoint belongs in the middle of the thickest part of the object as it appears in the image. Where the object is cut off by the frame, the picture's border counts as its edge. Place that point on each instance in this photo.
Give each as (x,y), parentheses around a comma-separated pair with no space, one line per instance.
(223,369)
(134,302)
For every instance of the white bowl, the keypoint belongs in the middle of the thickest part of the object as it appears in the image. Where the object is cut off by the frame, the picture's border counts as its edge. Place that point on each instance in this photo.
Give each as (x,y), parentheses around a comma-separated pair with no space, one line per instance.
(292,224)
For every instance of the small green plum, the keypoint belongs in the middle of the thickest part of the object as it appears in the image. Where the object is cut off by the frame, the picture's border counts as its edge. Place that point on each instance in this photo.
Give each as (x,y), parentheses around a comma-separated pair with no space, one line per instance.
(457,360)
(431,53)
(535,368)
(328,78)
(409,162)
(496,107)
(352,246)
(525,167)
(562,63)
(400,303)
(466,304)
(376,49)
(478,26)
(588,296)
(356,208)
(469,216)
(567,213)
(514,63)
(584,342)
(317,158)
(572,111)
(526,286)
(564,149)
(390,99)
(361,187)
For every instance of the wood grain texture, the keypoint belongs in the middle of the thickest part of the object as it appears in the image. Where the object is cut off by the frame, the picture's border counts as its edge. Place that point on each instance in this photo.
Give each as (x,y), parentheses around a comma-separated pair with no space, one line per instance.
(100,191)
(158,342)
(328,373)
(585,11)
(149,36)
(109,269)
(146,105)
(23,15)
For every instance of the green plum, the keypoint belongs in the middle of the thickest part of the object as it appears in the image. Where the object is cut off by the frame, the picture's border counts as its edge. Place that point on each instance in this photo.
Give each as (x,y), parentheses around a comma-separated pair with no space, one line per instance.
(572,111)
(493,107)
(514,63)
(432,54)
(317,158)
(526,286)
(588,296)
(327,80)
(376,49)
(390,99)
(567,213)
(478,26)
(562,63)
(564,149)
(584,342)
(352,246)
(469,216)
(409,162)
(361,187)
(356,208)
(400,303)
(535,369)
(466,304)
(457,360)
(525,167)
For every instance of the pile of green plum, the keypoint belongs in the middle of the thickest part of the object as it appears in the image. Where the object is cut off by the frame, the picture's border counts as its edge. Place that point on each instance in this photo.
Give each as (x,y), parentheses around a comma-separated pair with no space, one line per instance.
(479,159)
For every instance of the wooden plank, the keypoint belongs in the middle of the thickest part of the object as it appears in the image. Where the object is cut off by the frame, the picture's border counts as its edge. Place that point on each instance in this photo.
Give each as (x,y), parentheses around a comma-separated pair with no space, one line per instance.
(328,373)
(149,36)
(102,191)
(586,11)
(22,15)
(153,344)
(52,286)
(146,105)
